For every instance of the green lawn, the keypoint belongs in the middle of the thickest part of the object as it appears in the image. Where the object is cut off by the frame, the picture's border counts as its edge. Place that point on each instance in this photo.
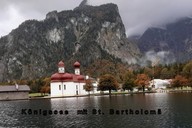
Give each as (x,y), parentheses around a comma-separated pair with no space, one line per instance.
(37,94)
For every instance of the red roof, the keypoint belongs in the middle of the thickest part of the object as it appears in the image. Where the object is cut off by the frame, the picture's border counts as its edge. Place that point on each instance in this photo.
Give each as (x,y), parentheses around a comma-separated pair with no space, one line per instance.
(77,64)
(65,77)
(61,64)
(56,76)
(80,77)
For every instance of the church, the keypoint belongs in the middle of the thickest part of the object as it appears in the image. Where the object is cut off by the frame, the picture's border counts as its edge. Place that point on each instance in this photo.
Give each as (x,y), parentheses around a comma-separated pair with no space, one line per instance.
(67,84)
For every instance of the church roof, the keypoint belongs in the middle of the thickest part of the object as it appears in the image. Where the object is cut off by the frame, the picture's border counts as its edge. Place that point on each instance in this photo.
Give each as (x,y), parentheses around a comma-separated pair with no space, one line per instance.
(61,64)
(77,64)
(67,77)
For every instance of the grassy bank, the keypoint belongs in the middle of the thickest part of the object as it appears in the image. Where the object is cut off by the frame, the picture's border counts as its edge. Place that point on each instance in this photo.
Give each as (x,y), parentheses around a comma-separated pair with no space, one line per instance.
(38,94)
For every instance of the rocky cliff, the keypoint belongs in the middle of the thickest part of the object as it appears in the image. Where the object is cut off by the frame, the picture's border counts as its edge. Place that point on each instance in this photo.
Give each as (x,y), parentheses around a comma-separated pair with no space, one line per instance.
(174,41)
(86,33)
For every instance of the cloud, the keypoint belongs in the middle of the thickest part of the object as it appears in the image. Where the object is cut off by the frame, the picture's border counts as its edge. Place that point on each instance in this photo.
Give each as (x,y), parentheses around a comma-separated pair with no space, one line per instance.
(14,12)
(137,15)
(152,58)
(10,20)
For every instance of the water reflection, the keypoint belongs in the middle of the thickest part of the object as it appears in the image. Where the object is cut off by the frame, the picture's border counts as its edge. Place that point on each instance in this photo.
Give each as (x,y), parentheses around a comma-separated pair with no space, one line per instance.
(176,111)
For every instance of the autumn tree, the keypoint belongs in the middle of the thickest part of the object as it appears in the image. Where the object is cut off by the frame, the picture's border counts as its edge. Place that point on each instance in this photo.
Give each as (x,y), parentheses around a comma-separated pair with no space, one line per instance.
(45,89)
(142,81)
(88,86)
(189,83)
(128,82)
(108,82)
(101,67)
(46,81)
(187,70)
(179,81)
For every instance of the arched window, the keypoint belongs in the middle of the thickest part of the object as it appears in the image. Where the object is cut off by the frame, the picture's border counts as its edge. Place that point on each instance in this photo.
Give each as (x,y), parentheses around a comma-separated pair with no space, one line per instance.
(64,87)
(59,87)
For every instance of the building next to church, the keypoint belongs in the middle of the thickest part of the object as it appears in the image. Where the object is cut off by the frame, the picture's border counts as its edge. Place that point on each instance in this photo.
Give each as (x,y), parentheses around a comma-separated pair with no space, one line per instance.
(11,92)
(67,84)
(160,83)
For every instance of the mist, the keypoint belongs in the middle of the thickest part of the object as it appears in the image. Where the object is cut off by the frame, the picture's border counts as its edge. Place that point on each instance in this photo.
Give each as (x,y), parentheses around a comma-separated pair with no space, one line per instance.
(152,58)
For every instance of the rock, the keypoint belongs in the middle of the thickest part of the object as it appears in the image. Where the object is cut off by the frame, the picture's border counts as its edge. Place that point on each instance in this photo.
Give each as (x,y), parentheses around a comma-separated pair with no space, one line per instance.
(85,34)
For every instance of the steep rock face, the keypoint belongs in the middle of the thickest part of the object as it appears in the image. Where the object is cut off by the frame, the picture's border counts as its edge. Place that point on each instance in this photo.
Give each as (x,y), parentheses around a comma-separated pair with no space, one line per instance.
(175,39)
(86,33)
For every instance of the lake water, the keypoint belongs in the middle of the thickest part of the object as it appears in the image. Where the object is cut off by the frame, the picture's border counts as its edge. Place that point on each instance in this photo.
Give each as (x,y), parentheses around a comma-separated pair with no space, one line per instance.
(173,110)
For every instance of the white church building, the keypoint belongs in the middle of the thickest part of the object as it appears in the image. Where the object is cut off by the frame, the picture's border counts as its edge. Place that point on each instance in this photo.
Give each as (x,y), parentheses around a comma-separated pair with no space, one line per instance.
(67,84)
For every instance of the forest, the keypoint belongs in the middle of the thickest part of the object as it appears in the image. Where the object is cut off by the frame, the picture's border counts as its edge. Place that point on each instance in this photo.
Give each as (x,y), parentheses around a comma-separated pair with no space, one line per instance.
(128,76)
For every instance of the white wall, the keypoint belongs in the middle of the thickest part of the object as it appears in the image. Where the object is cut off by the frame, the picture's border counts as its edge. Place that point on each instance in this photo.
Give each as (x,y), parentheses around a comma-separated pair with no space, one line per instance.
(95,88)
(67,89)
(55,89)
(159,83)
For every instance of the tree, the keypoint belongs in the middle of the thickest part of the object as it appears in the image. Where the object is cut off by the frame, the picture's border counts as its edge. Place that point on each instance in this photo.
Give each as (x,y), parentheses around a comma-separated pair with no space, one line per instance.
(88,86)
(108,82)
(45,89)
(142,81)
(187,70)
(46,81)
(189,82)
(149,71)
(165,73)
(128,82)
(179,81)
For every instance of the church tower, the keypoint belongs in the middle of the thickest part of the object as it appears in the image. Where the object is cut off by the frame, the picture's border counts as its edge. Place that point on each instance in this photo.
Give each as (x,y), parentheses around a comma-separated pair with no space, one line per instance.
(77,68)
(61,67)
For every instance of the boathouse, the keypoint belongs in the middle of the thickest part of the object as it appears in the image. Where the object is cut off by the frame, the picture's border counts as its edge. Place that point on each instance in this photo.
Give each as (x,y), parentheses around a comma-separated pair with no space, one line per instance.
(14,92)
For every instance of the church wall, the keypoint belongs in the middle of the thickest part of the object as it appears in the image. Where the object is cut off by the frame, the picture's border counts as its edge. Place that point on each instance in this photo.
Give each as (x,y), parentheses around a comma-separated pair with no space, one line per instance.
(55,89)
(70,89)
(67,89)
(81,89)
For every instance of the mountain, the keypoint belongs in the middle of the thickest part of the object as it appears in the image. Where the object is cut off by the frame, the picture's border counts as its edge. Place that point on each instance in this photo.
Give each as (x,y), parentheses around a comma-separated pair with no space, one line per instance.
(174,41)
(86,34)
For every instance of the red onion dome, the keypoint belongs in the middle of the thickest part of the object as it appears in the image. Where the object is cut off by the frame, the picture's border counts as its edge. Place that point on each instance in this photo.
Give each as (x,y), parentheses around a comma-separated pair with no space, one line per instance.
(56,76)
(77,64)
(61,64)
(66,76)
(80,77)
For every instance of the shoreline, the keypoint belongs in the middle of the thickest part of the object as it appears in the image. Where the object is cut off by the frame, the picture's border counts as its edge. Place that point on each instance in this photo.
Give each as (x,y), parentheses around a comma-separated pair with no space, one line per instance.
(100,94)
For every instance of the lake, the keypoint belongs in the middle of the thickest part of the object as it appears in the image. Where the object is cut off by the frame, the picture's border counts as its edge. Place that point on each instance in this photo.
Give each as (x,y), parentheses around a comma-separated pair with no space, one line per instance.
(154,110)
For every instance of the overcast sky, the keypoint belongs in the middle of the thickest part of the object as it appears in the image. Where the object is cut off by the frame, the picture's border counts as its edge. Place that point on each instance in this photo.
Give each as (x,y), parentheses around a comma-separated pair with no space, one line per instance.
(137,15)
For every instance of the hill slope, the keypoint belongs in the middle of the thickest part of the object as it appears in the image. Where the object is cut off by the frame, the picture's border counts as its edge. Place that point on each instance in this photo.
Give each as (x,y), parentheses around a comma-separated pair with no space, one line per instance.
(86,34)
